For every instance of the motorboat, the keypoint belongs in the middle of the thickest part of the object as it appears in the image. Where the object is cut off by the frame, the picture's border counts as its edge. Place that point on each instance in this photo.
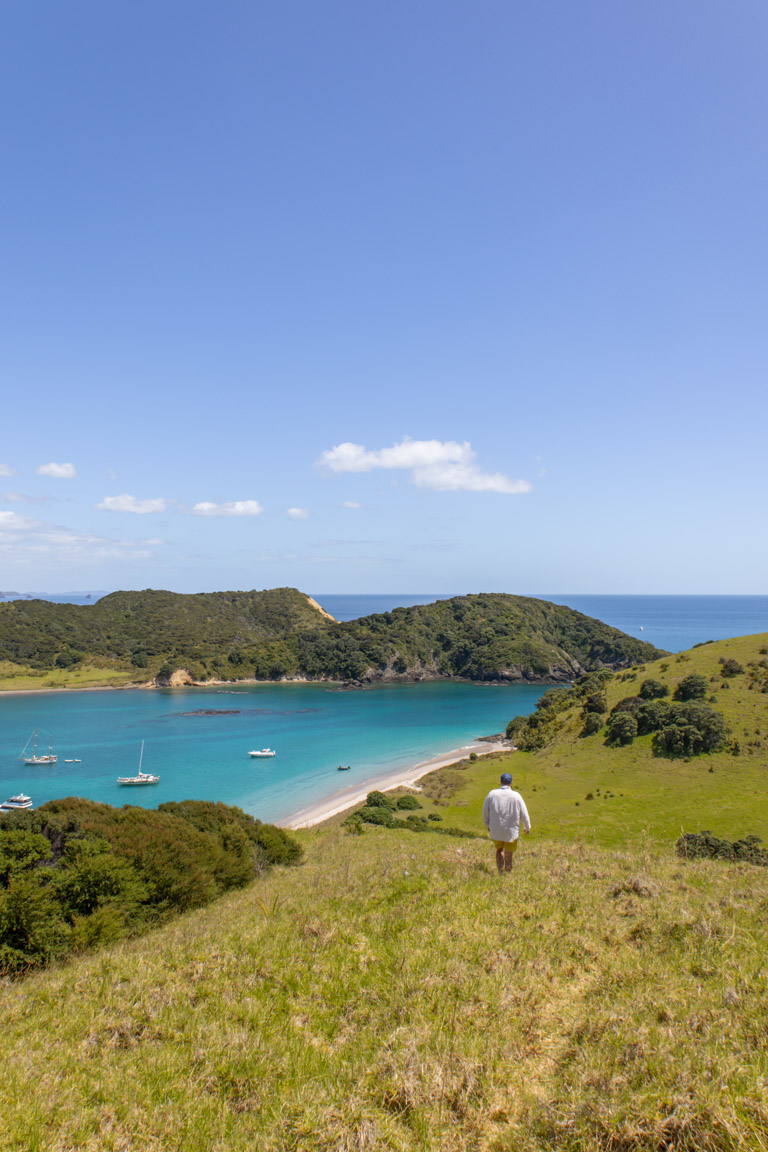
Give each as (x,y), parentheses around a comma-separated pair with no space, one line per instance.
(140,777)
(16,803)
(343,767)
(262,753)
(44,758)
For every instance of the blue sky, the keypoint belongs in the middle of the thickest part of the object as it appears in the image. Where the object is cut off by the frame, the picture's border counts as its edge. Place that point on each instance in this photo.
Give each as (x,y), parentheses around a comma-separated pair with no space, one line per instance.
(384,297)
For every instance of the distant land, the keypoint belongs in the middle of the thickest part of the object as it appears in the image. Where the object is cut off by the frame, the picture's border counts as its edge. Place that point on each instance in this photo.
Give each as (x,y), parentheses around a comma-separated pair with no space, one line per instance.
(281,633)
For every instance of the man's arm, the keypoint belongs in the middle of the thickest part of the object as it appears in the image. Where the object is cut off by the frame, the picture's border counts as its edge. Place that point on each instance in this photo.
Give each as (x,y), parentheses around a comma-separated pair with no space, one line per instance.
(487,811)
(524,817)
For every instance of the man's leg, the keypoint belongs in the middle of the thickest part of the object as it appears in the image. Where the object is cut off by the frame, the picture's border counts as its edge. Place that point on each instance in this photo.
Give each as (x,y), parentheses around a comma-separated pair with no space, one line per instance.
(509,855)
(500,859)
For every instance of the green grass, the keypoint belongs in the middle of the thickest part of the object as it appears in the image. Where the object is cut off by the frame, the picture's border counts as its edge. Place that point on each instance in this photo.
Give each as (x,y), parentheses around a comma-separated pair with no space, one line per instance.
(394,993)
(648,796)
(19,677)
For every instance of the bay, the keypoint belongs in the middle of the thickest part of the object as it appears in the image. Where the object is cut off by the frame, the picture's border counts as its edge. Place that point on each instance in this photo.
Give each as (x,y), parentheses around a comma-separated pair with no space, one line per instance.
(197,739)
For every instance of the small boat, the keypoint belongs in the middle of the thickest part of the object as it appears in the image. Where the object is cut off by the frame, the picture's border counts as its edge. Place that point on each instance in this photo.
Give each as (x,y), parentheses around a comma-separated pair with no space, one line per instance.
(69,761)
(140,777)
(262,752)
(16,803)
(343,767)
(34,758)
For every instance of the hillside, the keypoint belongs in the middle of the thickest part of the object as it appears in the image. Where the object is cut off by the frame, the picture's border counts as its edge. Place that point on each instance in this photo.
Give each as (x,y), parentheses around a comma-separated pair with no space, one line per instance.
(136,636)
(395,994)
(590,788)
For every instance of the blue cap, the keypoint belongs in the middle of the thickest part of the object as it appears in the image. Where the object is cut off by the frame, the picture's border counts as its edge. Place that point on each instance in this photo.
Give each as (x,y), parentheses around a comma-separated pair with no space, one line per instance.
(506,778)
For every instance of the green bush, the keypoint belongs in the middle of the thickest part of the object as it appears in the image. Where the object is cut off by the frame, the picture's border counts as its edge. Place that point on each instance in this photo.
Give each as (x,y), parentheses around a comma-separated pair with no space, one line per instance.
(434,816)
(407,802)
(379,800)
(622,728)
(378,814)
(653,690)
(693,687)
(731,668)
(630,704)
(593,722)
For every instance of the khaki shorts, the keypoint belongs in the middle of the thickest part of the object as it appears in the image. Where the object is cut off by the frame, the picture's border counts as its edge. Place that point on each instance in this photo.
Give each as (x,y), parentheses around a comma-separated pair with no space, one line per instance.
(505,845)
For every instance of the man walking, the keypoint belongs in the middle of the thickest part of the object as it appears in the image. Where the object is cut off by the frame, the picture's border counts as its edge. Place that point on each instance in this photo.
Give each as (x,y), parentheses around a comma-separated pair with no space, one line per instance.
(503,813)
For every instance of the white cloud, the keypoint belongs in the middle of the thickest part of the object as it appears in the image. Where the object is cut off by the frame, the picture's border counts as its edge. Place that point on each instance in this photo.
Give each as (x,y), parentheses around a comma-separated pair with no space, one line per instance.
(444,465)
(57,471)
(127,503)
(27,541)
(229,508)
(6,470)
(351,504)
(22,498)
(297,513)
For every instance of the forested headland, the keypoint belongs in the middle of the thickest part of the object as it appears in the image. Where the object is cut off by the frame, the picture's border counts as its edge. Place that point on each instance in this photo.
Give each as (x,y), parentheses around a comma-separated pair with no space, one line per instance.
(281,633)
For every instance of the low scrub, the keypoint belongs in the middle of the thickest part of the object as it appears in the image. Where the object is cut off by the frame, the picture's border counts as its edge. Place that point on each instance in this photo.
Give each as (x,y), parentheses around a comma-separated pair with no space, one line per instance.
(75,874)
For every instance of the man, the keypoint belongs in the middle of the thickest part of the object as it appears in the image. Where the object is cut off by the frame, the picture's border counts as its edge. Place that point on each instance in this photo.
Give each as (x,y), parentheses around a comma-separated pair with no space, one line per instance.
(503,812)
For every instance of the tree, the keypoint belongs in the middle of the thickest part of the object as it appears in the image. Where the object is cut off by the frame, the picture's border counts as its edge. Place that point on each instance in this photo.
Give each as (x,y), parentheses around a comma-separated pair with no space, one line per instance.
(693,687)
(653,689)
(622,728)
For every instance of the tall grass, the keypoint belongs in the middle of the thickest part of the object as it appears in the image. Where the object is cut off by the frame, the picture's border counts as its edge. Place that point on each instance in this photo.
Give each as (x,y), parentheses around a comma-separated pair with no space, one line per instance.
(395,993)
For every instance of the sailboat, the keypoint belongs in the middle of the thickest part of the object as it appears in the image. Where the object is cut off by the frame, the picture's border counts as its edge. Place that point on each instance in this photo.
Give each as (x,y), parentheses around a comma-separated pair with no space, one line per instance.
(34,758)
(140,777)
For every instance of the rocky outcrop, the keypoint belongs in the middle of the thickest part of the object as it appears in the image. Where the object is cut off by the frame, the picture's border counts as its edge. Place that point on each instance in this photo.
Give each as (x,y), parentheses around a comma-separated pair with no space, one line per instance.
(176,679)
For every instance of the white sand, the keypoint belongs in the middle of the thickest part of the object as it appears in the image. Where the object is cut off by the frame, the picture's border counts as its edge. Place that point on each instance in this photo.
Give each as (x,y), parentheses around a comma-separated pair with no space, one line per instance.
(405,777)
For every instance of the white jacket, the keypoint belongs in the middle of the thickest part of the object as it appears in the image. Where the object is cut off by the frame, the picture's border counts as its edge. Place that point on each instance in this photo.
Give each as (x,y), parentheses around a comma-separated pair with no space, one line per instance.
(503,812)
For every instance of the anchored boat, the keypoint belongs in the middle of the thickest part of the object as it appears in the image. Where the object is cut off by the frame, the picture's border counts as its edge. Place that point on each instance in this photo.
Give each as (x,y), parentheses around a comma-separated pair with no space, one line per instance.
(262,753)
(48,758)
(16,803)
(140,777)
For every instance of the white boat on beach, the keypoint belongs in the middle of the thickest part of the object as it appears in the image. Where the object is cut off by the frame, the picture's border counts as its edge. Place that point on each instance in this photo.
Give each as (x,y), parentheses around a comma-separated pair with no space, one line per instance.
(16,803)
(262,753)
(140,777)
(44,758)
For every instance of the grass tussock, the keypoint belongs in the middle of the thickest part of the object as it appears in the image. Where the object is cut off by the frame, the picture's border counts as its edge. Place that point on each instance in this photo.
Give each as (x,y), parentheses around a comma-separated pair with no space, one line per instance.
(395,993)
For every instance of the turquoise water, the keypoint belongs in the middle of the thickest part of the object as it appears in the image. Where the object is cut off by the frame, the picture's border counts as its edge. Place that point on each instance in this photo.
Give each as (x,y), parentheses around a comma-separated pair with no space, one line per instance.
(200,756)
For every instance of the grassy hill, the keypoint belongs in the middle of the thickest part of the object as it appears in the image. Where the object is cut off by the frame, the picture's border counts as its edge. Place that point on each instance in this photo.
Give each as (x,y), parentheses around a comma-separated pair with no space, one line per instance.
(582,790)
(136,636)
(394,993)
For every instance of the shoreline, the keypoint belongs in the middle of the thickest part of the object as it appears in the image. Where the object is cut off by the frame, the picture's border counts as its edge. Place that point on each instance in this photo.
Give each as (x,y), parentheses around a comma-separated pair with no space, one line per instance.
(323,810)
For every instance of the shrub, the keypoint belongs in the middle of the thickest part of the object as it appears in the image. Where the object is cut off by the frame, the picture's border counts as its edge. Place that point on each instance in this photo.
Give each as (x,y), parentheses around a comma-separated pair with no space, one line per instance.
(653,715)
(622,728)
(595,702)
(592,723)
(653,689)
(705,845)
(630,704)
(379,800)
(731,668)
(693,687)
(379,814)
(434,816)
(407,802)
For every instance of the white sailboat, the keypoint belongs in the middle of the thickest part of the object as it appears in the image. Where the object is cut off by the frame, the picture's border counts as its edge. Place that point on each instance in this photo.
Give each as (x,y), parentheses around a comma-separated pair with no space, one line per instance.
(262,753)
(140,777)
(34,758)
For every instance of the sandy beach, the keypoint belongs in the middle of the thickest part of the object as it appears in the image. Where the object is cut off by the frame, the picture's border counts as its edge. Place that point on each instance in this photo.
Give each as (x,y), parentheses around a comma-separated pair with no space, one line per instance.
(405,777)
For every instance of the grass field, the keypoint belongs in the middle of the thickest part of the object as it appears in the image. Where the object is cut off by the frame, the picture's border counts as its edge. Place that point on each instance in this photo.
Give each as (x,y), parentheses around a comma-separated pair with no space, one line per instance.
(633,792)
(394,993)
(17,678)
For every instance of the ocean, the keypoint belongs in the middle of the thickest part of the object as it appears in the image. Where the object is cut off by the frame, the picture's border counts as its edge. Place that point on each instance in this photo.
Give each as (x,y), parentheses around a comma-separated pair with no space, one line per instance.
(197,739)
